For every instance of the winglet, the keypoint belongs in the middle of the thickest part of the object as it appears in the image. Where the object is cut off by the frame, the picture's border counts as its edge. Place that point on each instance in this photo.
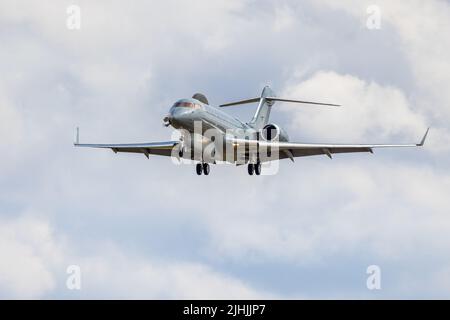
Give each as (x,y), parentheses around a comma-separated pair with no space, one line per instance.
(422,142)
(77,138)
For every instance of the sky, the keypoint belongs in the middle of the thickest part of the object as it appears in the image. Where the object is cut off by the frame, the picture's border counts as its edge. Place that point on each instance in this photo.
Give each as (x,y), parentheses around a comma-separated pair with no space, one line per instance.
(148,229)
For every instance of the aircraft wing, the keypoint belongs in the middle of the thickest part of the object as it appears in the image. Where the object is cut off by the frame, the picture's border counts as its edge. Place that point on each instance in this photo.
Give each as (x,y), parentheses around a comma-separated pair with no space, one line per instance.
(292,149)
(157,148)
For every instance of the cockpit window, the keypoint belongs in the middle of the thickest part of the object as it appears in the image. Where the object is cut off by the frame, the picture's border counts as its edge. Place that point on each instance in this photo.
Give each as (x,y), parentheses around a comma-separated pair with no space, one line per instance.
(187,104)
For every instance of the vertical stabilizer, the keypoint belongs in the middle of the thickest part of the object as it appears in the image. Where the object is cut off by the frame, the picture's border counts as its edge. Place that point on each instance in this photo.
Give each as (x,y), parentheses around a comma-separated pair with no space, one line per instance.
(262,114)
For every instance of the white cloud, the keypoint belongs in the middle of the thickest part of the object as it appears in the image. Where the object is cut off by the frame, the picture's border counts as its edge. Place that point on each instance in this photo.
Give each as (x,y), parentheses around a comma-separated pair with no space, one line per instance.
(33,262)
(368,109)
(423,28)
(113,78)
(119,26)
(283,18)
(370,113)
(28,253)
(115,275)
(363,205)
(11,125)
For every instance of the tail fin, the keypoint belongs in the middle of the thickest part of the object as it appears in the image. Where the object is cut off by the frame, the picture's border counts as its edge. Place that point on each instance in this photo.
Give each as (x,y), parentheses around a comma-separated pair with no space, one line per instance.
(262,114)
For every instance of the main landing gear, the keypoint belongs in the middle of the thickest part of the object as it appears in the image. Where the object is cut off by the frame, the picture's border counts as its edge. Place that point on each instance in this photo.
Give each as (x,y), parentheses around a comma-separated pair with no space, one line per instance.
(254,168)
(202,168)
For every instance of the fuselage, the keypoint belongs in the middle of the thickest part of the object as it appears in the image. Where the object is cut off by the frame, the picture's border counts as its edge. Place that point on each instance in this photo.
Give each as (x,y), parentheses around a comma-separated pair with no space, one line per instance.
(186,113)
(204,127)
(209,134)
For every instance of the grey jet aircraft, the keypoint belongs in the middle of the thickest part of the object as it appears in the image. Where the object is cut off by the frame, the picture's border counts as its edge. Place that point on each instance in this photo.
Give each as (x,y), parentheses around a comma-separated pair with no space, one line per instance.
(209,135)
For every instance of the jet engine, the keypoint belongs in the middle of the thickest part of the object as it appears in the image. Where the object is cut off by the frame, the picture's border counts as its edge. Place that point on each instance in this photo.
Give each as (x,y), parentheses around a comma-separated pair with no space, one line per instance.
(272,132)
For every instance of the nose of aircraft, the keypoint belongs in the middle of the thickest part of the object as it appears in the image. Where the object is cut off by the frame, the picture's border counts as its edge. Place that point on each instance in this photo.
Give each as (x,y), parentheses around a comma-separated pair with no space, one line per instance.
(179,112)
(176,116)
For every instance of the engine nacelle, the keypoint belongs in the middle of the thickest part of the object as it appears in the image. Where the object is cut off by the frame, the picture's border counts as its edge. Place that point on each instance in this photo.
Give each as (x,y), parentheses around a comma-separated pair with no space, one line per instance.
(272,132)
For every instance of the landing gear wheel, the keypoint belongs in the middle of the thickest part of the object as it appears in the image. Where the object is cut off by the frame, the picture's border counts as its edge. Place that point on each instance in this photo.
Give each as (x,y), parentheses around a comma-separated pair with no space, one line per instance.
(251,169)
(198,169)
(206,169)
(258,168)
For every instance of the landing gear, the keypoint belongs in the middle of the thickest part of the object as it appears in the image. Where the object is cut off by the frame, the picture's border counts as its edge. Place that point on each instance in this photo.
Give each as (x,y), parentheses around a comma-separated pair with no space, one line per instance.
(258,168)
(254,168)
(202,168)
(206,169)
(198,168)
(250,169)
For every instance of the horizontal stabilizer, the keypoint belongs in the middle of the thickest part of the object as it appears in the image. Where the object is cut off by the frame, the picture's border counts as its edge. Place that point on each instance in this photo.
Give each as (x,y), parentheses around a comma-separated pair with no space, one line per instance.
(273,99)
(301,101)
